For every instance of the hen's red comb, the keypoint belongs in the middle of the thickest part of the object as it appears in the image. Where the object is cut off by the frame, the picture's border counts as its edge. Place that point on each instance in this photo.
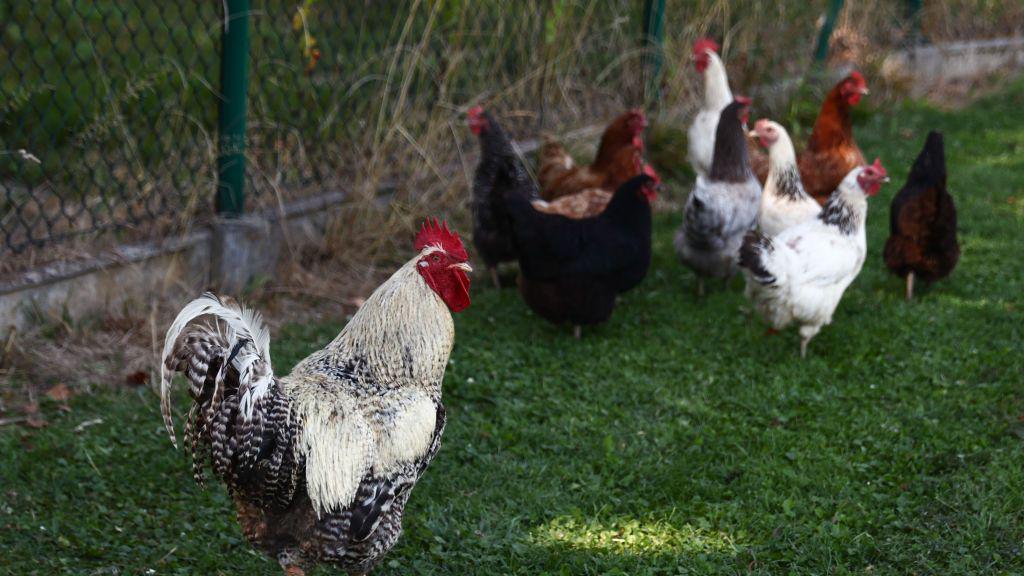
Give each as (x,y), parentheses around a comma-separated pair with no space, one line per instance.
(474,113)
(745,100)
(703,44)
(437,234)
(857,78)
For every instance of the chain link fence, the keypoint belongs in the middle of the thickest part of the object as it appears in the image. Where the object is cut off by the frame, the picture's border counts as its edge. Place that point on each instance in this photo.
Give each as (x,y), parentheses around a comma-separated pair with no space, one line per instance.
(109,108)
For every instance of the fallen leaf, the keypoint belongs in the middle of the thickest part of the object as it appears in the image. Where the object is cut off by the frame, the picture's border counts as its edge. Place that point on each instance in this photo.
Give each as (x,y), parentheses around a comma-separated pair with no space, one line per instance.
(35,421)
(59,393)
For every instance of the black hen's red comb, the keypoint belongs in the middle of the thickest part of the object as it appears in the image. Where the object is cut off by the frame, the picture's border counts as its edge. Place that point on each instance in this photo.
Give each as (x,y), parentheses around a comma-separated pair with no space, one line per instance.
(438,234)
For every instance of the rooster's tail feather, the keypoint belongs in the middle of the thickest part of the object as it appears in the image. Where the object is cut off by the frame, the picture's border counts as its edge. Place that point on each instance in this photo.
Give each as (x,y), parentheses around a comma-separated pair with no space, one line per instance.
(238,333)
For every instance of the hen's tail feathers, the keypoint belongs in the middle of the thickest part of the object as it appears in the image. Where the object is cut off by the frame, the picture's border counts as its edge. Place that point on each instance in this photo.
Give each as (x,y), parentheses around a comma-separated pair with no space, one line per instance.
(930,165)
(237,332)
(755,246)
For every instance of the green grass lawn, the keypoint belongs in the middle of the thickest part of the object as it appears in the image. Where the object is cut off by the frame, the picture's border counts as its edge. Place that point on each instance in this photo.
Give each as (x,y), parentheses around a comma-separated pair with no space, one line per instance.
(677,439)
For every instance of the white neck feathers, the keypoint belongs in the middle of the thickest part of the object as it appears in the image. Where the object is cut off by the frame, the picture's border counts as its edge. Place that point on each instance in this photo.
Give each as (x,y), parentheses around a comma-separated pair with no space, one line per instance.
(716,84)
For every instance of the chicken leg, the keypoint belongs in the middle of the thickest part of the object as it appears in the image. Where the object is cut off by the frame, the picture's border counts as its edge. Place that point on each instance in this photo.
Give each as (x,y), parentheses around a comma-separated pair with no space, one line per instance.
(803,347)
(495,278)
(577,332)
(700,287)
(910,286)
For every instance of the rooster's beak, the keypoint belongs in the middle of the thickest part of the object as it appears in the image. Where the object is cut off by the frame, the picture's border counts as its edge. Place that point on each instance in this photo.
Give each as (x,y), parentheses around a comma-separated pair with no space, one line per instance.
(864,91)
(465,267)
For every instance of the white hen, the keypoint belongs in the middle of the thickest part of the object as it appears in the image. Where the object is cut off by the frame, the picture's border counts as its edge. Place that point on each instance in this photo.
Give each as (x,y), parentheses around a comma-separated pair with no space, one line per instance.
(801,274)
(717,95)
(784,202)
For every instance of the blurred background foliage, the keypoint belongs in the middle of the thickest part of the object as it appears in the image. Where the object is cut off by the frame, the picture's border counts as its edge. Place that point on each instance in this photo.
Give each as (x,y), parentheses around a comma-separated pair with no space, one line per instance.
(118,99)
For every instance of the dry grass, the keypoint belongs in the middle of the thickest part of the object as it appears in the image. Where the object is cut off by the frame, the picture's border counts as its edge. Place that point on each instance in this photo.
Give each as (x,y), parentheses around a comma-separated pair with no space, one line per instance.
(399,126)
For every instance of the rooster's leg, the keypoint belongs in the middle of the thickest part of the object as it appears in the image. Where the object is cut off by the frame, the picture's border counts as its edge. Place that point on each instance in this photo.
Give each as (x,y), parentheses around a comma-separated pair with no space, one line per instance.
(910,286)
(495,279)
(577,332)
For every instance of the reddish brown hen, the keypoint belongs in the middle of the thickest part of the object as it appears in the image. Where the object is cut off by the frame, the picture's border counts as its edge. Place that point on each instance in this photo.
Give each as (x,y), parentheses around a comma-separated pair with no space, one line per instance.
(590,202)
(922,223)
(831,151)
(558,175)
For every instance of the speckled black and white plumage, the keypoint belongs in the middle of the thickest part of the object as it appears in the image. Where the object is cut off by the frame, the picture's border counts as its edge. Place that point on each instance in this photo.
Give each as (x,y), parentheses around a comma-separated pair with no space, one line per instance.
(723,205)
(320,463)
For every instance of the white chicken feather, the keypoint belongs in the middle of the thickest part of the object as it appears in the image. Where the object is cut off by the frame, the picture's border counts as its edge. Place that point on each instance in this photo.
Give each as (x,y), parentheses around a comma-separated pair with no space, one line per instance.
(701,135)
(784,202)
(800,275)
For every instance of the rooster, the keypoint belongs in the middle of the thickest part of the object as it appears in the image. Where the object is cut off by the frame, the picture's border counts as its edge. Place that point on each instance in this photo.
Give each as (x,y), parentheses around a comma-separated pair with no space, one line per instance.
(831,151)
(784,202)
(572,271)
(723,205)
(800,275)
(499,171)
(717,95)
(559,175)
(922,225)
(320,463)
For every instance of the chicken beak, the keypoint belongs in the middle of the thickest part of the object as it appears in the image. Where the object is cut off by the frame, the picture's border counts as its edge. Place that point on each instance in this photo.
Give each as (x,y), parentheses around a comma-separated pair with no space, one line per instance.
(464,266)
(885,180)
(864,91)
(753,134)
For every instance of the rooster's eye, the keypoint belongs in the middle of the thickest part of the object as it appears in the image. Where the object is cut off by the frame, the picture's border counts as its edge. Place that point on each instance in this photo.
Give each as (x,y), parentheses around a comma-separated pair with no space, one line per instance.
(436,258)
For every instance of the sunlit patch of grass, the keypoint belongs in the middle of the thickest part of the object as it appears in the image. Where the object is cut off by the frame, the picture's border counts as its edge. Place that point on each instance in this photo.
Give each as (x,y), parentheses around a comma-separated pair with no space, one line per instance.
(633,536)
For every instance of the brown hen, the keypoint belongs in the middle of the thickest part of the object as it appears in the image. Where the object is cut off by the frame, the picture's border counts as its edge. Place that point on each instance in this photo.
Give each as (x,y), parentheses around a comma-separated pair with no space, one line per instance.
(558,175)
(831,151)
(922,223)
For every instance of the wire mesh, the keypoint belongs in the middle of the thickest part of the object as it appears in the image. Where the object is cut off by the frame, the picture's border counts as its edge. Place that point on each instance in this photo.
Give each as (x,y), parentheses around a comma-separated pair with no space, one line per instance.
(108,108)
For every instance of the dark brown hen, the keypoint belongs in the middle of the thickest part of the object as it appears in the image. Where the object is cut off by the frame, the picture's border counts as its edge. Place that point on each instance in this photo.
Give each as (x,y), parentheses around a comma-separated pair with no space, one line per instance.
(922,224)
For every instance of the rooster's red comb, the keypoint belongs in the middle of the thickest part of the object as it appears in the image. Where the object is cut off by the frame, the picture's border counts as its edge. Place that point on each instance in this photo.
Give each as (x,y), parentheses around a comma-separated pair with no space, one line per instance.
(857,78)
(703,44)
(438,234)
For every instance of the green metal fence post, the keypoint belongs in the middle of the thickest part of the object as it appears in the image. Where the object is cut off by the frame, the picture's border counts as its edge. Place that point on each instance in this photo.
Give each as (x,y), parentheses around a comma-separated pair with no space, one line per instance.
(821,48)
(654,33)
(914,12)
(234,88)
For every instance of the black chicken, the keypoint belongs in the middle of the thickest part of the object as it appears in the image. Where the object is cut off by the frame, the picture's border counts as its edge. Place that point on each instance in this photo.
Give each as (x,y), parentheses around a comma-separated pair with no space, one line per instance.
(922,224)
(499,172)
(573,270)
